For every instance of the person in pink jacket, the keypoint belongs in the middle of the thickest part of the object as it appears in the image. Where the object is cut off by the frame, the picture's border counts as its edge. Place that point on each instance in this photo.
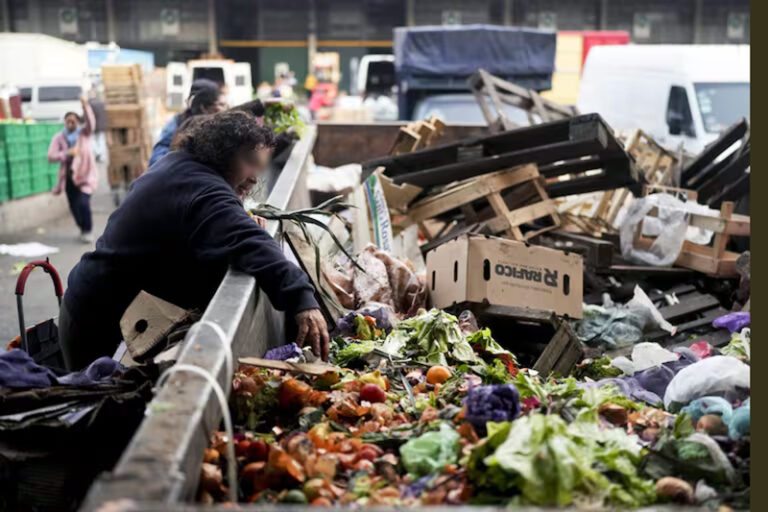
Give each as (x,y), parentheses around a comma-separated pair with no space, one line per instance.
(78,177)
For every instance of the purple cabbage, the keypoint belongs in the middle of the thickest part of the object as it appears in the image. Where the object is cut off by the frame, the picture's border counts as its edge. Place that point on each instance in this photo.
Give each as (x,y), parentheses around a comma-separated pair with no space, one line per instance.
(499,402)
(284,352)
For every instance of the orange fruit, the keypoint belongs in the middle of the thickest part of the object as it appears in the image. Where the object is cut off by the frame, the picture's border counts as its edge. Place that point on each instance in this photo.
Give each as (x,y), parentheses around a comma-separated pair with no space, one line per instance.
(438,374)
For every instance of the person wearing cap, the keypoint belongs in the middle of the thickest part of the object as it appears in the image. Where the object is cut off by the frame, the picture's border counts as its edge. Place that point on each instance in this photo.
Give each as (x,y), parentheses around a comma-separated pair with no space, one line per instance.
(205,97)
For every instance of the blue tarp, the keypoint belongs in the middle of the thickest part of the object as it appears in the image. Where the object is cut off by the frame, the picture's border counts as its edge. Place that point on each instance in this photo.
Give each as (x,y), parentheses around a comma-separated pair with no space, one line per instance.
(462,50)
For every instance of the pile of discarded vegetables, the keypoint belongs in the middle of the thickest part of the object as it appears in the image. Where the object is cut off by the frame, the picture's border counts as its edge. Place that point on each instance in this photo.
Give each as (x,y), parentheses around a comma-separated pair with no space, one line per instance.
(433,411)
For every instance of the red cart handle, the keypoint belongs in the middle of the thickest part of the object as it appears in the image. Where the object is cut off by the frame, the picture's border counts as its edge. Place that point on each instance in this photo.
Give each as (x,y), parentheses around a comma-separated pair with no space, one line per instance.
(21,282)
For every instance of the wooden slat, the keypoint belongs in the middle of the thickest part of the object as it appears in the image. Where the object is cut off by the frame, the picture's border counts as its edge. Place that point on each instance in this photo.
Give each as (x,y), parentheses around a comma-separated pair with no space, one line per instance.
(528,213)
(470,190)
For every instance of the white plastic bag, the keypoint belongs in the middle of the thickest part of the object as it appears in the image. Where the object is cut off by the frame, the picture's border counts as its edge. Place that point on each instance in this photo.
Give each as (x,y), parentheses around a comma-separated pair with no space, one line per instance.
(713,376)
(666,247)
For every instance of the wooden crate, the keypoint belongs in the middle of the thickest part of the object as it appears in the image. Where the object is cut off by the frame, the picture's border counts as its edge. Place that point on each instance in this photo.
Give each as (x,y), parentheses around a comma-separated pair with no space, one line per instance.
(716,260)
(493,187)
(549,341)
(120,74)
(117,94)
(125,116)
(126,163)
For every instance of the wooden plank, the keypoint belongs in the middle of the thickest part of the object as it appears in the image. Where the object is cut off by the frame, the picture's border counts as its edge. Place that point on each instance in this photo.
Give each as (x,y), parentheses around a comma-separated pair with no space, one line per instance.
(470,190)
(531,212)
(502,212)
(306,368)
(721,239)
(497,103)
(552,352)
(688,306)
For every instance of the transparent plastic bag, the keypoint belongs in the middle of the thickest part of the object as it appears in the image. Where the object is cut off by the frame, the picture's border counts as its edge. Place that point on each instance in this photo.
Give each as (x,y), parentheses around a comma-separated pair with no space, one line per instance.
(673,224)
(623,325)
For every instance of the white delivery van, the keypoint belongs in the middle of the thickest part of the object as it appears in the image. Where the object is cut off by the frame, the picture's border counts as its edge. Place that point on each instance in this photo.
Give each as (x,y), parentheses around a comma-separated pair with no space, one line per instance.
(49,99)
(675,93)
(236,76)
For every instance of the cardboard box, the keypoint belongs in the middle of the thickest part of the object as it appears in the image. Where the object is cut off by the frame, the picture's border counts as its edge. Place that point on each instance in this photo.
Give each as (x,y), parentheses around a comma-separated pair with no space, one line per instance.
(476,268)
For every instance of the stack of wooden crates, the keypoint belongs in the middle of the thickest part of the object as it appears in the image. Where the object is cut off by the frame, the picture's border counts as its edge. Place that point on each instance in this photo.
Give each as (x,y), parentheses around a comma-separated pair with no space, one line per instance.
(128,135)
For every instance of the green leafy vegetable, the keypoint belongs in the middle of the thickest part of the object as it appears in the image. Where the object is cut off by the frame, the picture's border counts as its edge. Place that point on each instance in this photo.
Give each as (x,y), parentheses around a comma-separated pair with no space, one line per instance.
(353,351)
(596,369)
(496,373)
(430,452)
(430,337)
(553,463)
(281,118)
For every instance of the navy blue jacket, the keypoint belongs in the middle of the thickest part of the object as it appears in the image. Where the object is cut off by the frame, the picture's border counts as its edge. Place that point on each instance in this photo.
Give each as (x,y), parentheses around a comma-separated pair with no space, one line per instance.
(177,231)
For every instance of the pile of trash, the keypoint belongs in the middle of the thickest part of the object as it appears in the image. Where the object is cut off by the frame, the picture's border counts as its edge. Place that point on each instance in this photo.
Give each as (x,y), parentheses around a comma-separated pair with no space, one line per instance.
(432,410)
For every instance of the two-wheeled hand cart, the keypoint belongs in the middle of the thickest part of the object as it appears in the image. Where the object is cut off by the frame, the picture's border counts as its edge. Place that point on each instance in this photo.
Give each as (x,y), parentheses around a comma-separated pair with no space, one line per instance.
(42,340)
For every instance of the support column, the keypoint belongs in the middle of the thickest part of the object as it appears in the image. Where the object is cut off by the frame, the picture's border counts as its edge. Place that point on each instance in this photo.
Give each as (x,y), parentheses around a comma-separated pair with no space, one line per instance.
(213,47)
(111,35)
(508,15)
(312,35)
(603,14)
(33,8)
(697,14)
(6,16)
(410,13)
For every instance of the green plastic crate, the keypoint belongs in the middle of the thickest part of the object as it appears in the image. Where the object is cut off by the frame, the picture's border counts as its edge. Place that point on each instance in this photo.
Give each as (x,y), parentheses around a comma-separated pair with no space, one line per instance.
(38,149)
(20,187)
(40,184)
(37,131)
(39,167)
(17,150)
(19,168)
(5,191)
(52,129)
(2,152)
(13,132)
(53,180)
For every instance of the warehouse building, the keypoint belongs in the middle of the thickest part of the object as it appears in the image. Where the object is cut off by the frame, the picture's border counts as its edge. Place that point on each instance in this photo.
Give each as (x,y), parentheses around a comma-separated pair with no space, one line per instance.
(265,32)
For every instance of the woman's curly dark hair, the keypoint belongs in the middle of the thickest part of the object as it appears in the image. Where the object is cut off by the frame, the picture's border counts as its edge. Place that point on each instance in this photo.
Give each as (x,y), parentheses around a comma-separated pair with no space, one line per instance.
(215,140)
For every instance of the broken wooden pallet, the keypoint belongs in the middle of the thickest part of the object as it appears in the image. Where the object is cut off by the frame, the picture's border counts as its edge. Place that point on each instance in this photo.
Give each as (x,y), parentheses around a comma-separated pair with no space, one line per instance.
(418,135)
(502,93)
(716,260)
(491,187)
(583,146)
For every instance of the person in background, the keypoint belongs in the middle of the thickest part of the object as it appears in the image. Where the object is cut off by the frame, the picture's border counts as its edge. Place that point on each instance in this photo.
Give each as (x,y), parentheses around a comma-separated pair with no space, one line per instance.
(100,128)
(205,97)
(175,235)
(253,107)
(71,147)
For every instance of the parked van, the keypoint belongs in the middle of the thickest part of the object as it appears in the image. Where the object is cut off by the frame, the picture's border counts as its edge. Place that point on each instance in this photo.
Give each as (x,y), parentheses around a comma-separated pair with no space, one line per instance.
(50,99)
(675,93)
(236,76)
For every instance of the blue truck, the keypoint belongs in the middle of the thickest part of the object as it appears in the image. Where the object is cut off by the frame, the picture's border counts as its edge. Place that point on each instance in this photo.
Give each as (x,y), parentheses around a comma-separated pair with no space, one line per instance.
(437,61)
